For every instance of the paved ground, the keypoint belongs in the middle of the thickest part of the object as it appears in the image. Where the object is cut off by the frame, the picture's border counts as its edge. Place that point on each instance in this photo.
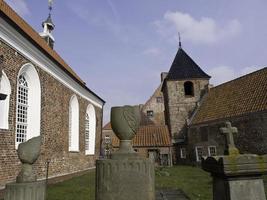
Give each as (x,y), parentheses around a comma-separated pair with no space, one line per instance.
(170,194)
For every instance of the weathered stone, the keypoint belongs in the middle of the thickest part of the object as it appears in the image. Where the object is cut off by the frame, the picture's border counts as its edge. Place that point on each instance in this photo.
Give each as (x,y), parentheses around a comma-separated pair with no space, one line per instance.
(125,121)
(28,153)
(236,176)
(131,179)
(125,175)
(26,191)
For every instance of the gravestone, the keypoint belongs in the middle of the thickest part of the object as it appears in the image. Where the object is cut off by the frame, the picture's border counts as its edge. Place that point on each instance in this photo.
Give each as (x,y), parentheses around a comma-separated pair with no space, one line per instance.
(236,176)
(27,187)
(126,175)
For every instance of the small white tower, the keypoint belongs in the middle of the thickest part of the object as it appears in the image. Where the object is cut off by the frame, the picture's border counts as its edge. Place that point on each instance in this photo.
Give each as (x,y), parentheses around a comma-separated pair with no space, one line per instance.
(48,27)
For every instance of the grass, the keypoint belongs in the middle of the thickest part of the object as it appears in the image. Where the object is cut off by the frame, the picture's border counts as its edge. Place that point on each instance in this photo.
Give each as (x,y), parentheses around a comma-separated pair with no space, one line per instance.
(196,183)
(78,188)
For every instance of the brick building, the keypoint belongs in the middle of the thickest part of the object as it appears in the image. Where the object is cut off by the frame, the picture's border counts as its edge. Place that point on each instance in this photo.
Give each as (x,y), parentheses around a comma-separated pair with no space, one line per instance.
(242,101)
(194,110)
(149,139)
(41,95)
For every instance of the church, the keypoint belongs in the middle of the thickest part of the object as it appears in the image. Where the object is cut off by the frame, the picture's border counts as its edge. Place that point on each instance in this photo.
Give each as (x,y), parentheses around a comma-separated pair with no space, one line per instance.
(40,95)
(192,111)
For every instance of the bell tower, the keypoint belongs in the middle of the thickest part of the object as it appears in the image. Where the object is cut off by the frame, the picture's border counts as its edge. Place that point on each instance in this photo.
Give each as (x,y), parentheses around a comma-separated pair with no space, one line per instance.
(48,27)
(183,88)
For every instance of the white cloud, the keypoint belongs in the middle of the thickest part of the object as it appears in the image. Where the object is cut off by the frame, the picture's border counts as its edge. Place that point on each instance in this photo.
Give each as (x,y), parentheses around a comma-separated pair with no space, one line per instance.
(19,6)
(152,51)
(204,30)
(248,70)
(223,74)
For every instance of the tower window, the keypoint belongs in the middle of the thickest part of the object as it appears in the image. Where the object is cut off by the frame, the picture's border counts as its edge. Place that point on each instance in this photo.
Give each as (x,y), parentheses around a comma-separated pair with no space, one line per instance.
(149,113)
(188,88)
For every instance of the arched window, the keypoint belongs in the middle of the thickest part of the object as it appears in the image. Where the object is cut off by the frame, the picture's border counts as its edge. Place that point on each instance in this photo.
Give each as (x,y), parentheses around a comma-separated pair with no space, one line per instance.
(5,89)
(28,117)
(188,88)
(87,131)
(74,124)
(90,130)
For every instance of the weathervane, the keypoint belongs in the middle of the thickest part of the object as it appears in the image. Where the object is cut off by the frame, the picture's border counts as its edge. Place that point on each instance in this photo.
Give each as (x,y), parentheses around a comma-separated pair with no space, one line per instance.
(50,7)
(180,43)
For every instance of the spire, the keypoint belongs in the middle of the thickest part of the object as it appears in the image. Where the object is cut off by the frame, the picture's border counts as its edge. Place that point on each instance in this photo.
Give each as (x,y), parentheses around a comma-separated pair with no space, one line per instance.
(48,27)
(180,43)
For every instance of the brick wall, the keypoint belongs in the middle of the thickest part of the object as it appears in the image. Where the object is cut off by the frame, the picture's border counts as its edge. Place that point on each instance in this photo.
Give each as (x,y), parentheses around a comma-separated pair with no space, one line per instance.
(251,137)
(55,99)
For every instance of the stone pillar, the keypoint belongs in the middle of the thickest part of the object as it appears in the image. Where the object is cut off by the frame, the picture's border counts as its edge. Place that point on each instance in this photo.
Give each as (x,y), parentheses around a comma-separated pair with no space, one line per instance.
(236,176)
(26,186)
(126,175)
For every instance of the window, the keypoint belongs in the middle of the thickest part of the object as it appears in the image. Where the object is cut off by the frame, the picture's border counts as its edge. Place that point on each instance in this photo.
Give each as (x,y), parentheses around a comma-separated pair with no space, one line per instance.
(199,153)
(87,128)
(28,104)
(212,151)
(149,113)
(74,124)
(5,89)
(188,88)
(159,99)
(183,152)
(22,109)
(91,135)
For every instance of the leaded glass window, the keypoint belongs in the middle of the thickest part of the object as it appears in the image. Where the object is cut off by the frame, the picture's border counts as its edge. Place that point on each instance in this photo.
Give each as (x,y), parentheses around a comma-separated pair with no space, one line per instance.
(22,110)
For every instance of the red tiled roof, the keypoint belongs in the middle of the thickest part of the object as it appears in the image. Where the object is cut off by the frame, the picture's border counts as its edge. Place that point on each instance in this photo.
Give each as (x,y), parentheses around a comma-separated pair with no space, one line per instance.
(149,136)
(243,95)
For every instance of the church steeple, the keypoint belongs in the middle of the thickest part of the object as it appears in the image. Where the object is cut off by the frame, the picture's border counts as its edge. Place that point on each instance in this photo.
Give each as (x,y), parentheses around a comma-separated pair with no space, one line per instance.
(48,27)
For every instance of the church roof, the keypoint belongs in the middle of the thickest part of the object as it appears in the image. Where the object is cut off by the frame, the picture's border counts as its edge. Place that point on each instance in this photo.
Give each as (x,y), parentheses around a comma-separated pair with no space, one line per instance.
(148,136)
(23,27)
(183,67)
(238,97)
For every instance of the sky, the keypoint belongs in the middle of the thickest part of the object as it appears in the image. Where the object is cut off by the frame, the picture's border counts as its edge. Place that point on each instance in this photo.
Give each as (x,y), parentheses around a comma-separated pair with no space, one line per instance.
(120,47)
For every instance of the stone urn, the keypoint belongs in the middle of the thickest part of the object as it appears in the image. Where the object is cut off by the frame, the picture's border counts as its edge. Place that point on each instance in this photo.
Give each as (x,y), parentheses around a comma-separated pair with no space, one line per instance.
(28,153)
(125,122)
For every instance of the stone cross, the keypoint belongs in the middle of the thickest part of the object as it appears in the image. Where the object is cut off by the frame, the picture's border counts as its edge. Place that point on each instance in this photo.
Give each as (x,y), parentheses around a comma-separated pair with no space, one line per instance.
(228,131)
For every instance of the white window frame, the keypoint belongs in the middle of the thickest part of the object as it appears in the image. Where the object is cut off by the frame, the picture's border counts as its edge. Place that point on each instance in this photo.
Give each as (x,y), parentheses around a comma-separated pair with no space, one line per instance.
(5,88)
(87,132)
(34,102)
(209,147)
(183,152)
(92,129)
(197,151)
(74,124)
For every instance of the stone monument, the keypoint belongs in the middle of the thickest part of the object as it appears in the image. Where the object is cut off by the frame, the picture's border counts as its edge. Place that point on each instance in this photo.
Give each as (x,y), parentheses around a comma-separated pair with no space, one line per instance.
(27,187)
(126,175)
(236,176)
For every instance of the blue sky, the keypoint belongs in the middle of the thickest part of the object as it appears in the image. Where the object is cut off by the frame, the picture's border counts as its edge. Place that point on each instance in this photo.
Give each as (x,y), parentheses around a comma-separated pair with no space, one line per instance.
(119,47)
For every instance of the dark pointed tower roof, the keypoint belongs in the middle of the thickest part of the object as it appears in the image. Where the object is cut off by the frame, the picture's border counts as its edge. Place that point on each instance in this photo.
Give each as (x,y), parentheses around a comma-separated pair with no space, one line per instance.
(183,67)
